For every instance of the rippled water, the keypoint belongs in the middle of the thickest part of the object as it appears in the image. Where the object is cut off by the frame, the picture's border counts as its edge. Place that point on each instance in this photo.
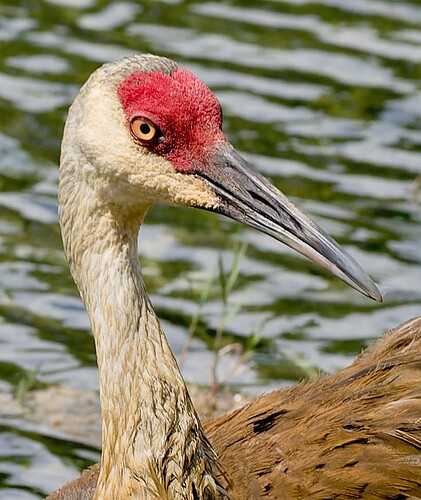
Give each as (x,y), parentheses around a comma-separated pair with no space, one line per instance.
(322,96)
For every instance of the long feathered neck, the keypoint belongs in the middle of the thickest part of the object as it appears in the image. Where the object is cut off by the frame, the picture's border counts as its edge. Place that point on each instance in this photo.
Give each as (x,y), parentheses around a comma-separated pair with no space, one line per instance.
(153,443)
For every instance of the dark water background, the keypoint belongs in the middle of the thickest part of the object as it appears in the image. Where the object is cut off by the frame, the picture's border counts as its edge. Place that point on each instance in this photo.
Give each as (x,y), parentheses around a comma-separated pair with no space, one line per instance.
(322,96)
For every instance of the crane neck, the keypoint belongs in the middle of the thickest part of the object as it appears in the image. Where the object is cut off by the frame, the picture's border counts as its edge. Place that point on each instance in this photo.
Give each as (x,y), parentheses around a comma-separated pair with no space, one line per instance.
(152,438)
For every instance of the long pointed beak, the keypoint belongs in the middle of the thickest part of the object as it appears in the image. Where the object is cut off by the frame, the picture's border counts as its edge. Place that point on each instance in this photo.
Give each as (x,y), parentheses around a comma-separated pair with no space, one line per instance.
(248,197)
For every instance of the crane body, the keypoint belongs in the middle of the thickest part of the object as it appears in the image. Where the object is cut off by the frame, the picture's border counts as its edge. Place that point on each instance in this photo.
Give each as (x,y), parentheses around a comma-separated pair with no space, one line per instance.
(144,131)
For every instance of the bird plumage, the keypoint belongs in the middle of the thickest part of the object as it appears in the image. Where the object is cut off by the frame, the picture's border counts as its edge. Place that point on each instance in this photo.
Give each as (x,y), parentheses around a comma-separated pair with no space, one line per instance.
(144,131)
(351,435)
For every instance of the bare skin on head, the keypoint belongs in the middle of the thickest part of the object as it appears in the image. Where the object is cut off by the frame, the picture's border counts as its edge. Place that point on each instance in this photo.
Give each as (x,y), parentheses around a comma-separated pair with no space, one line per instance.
(144,131)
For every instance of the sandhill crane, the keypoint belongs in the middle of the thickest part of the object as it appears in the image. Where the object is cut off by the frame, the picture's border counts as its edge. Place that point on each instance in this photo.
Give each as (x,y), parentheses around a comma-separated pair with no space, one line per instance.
(144,130)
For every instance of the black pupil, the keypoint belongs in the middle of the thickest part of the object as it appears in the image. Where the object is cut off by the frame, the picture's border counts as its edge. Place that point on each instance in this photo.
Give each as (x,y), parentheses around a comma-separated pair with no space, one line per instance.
(145,129)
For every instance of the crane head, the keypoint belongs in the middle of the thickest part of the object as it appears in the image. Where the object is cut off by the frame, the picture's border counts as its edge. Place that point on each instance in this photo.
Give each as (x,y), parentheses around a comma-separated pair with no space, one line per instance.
(154,132)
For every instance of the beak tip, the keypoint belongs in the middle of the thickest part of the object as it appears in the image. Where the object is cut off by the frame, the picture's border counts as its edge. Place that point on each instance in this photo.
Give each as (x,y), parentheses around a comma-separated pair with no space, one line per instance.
(366,286)
(362,282)
(375,293)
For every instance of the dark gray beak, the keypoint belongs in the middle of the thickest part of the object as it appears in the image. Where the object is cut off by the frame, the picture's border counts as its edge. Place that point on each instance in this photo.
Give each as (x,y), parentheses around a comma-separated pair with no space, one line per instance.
(248,197)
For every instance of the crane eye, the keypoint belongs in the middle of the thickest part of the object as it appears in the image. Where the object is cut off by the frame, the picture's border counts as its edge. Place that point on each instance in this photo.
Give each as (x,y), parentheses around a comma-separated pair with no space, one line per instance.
(144,130)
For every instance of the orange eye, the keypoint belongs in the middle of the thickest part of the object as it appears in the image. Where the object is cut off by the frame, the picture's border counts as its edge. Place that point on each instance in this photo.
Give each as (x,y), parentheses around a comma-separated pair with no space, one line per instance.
(144,130)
